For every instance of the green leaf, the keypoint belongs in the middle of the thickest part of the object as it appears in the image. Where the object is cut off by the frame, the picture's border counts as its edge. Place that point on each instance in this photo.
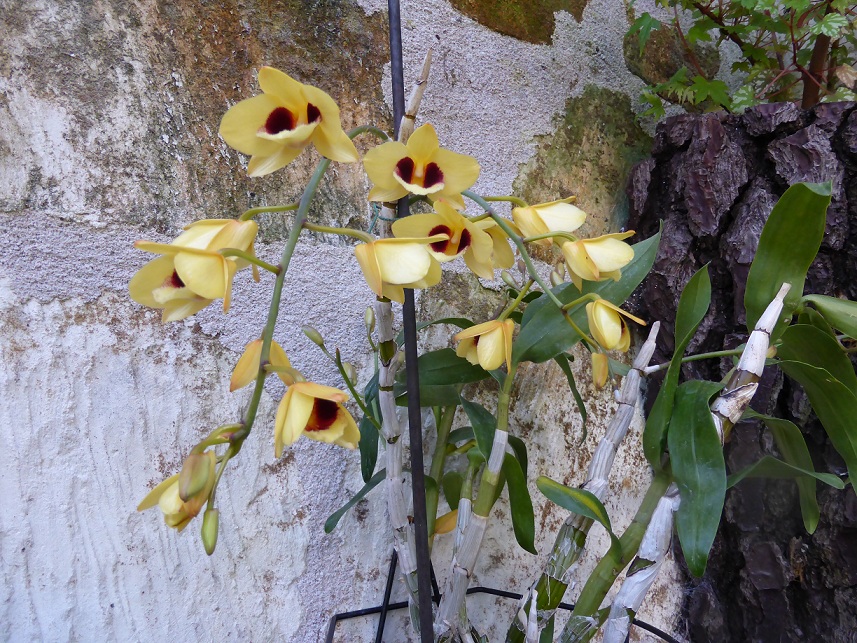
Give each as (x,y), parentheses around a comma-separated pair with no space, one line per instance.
(833,403)
(699,471)
(564,363)
(461,322)
(440,395)
(544,331)
(460,435)
(431,489)
(330,523)
(483,423)
(520,450)
(521,505)
(812,317)
(692,307)
(643,26)
(444,367)
(810,345)
(792,447)
(451,483)
(839,313)
(579,501)
(770,467)
(789,242)
(368,443)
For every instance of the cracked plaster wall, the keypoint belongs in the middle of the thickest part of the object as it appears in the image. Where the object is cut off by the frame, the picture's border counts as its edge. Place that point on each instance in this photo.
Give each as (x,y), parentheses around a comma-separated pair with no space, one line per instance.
(108,120)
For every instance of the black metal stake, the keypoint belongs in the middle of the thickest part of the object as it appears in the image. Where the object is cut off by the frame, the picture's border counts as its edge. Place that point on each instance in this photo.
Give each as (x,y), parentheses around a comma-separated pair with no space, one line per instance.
(418,485)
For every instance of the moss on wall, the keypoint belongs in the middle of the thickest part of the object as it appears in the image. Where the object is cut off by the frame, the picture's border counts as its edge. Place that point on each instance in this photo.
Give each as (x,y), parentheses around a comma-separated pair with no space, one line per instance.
(589,155)
(522,19)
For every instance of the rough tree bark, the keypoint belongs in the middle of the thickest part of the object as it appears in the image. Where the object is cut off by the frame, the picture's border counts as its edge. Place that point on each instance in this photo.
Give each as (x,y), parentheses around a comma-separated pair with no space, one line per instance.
(713,179)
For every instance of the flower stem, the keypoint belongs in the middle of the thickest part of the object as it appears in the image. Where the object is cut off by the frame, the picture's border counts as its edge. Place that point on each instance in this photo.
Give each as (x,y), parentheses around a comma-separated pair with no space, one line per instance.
(695,358)
(246,256)
(517,301)
(252,212)
(511,199)
(550,235)
(357,397)
(345,232)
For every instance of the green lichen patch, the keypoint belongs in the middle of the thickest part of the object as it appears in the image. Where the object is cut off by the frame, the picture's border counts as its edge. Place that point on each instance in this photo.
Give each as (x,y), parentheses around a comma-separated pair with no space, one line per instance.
(589,155)
(522,19)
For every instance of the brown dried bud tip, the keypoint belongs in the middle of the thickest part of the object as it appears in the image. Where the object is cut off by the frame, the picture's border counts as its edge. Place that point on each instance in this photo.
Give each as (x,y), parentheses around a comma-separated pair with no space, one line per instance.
(313,335)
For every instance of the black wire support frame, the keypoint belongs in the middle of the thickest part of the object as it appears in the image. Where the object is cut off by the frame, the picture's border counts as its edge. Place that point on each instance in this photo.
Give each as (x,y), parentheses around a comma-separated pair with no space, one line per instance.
(424,571)
(384,608)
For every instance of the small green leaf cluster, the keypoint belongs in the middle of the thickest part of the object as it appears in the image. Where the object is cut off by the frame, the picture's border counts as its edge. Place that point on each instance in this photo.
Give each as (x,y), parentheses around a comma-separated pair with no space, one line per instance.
(789,50)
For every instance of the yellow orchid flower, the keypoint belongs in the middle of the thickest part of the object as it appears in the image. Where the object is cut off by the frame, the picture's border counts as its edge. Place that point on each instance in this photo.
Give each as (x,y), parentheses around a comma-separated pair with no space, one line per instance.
(598,258)
(556,216)
(192,273)
(198,477)
(463,237)
(275,127)
(391,265)
(316,411)
(607,326)
(247,367)
(488,344)
(419,167)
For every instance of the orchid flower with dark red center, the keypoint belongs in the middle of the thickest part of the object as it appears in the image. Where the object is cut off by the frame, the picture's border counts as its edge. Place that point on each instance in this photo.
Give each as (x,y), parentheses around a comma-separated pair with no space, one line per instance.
(464,237)
(419,167)
(276,126)
(315,411)
(192,272)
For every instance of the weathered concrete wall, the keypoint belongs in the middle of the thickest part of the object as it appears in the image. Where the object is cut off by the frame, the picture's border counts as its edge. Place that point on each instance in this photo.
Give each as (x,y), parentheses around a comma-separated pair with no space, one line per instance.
(108,119)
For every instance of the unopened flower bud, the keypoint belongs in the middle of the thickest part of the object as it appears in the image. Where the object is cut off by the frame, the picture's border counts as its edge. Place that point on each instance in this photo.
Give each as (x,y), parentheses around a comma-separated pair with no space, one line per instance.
(556,278)
(210,523)
(350,371)
(600,369)
(369,319)
(194,475)
(509,280)
(313,335)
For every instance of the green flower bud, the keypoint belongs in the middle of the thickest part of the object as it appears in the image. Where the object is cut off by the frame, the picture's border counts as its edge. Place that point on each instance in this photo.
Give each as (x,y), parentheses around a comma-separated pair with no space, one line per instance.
(313,335)
(369,319)
(210,523)
(509,280)
(350,371)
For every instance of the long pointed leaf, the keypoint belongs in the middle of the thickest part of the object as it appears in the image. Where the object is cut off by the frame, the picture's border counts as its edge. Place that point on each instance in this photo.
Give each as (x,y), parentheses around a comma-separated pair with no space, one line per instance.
(563,360)
(483,423)
(789,242)
(699,471)
(839,313)
(579,501)
(813,346)
(369,431)
(834,404)
(692,307)
(523,520)
(770,467)
(336,516)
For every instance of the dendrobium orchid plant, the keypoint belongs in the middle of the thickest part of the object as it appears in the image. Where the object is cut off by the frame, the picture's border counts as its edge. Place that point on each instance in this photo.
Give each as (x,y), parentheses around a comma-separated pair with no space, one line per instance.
(540,321)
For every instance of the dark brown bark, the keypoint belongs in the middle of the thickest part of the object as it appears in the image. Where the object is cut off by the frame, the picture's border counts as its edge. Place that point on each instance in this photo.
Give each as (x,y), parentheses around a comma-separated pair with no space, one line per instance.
(713,180)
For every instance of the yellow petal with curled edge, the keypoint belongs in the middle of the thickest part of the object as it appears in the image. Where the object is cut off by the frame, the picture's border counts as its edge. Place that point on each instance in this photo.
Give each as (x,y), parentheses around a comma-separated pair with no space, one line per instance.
(262,164)
(604,324)
(365,253)
(446,523)
(280,84)
(402,263)
(293,413)
(608,252)
(560,216)
(205,274)
(329,138)
(491,349)
(423,144)
(600,369)
(247,367)
(179,309)
(351,435)
(579,262)
(155,494)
